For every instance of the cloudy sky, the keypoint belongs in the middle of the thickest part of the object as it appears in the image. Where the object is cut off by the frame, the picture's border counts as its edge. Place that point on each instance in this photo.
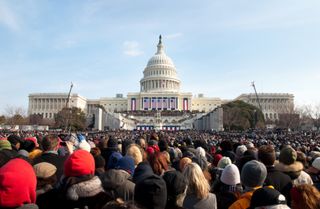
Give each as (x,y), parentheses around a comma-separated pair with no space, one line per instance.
(102,46)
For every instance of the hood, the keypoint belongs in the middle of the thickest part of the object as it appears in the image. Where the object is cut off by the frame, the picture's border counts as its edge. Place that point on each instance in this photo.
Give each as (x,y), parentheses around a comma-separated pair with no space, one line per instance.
(142,171)
(113,178)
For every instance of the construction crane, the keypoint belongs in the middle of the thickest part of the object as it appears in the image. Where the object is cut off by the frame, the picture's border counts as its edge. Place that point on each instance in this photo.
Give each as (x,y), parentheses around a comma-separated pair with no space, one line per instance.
(257,97)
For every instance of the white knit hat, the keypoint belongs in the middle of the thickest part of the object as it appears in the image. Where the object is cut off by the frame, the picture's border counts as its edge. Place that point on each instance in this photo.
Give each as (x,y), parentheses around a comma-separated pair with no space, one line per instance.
(316,163)
(230,175)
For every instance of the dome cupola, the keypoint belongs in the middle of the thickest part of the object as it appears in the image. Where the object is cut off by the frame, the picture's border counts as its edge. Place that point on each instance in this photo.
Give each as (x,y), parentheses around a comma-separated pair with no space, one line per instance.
(160,74)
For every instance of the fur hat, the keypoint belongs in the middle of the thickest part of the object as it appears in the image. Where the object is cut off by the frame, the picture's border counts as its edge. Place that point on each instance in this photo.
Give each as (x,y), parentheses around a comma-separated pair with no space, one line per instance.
(223,162)
(267,197)
(5,144)
(17,184)
(79,163)
(253,174)
(230,175)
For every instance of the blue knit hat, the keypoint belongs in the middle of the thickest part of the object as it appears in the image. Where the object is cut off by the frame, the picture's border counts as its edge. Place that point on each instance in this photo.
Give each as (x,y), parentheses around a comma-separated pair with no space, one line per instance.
(113,160)
(126,163)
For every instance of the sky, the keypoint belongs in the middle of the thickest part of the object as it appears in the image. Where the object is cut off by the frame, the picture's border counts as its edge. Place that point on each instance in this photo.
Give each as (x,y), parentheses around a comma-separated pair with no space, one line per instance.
(102,46)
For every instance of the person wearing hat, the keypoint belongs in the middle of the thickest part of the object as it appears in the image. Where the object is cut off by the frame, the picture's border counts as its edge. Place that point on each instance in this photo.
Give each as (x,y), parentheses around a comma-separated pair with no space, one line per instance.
(118,182)
(46,181)
(17,185)
(253,175)
(280,181)
(314,172)
(150,190)
(176,186)
(50,146)
(5,144)
(79,187)
(289,165)
(267,198)
(228,188)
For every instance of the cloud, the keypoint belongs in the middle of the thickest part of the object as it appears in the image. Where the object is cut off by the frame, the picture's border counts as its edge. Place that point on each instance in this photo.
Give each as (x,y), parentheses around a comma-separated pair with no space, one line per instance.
(8,18)
(173,35)
(132,48)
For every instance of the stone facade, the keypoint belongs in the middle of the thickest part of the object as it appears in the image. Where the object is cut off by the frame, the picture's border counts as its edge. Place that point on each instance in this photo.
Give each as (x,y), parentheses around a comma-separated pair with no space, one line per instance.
(159,90)
(272,104)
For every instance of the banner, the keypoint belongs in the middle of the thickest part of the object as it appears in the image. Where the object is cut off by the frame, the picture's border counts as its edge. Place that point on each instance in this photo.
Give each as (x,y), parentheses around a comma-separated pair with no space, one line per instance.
(185,104)
(133,104)
(146,103)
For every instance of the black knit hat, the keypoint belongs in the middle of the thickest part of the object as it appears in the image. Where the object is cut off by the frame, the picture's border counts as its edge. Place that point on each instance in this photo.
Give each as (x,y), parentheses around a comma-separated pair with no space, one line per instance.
(176,184)
(151,192)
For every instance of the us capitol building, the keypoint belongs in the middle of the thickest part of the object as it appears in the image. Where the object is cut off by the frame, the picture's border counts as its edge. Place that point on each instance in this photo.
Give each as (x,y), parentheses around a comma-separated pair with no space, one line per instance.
(160,103)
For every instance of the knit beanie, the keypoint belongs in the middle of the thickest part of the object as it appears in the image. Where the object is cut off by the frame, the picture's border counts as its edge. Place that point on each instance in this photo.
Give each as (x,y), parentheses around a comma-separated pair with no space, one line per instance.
(151,192)
(176,184)
(113,160)
(127,164)
(79,163)
(288,156)
(17,184)
(5,144)
(223,162)
(44,170)
(253,174)
(84,145)
(230,175)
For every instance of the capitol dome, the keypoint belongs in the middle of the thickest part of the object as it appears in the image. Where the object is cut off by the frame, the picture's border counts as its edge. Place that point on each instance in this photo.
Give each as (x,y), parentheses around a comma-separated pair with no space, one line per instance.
(160,74)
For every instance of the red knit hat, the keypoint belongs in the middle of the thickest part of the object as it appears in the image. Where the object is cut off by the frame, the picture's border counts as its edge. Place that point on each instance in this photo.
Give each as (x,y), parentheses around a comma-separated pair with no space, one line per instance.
(17,184)
(79,163)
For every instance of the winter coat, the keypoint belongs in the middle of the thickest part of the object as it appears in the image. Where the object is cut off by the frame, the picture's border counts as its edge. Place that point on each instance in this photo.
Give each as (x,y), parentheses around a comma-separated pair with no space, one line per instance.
(27,206)
(279,180)
(118,184)
(226,194)
(192,202)
(88,193)
(244,201)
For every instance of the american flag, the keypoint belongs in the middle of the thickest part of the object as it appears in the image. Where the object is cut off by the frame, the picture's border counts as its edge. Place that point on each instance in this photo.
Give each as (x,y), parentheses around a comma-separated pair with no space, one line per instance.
(153,103)
(159,103)
(173,103)
(165,103)
(146,103)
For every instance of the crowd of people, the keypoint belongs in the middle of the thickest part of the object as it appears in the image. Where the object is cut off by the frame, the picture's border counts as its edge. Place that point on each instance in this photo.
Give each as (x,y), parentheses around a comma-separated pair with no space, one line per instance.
(148,169)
